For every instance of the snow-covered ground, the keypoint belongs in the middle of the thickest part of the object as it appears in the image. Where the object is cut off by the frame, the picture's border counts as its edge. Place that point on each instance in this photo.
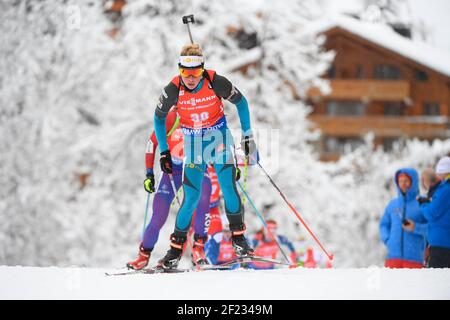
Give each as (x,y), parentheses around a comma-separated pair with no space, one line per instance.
(80,100)
(370,283)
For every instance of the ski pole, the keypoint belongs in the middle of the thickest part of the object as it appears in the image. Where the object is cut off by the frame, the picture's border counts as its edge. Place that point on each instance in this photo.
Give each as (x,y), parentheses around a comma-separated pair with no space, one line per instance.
(186,20)
(146,207)
(145,216)
(245,174)
(264,222)
(194,254)
(330,256)
(174,189)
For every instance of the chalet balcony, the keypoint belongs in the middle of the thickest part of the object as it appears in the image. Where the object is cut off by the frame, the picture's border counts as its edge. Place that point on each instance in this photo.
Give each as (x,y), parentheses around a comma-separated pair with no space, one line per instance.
(386,90)
(382,126)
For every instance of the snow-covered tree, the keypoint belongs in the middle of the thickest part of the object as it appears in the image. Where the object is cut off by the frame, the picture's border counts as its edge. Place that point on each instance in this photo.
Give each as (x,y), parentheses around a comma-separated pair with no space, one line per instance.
(77,108)
(386,11)
(396,13)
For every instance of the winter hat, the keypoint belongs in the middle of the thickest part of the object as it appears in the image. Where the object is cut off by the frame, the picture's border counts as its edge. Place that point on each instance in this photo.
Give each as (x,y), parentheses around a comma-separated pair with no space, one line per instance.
(443,166)
(272,224)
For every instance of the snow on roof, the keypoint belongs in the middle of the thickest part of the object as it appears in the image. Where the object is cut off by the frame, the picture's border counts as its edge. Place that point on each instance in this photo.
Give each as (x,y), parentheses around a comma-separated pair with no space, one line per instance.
(384,36)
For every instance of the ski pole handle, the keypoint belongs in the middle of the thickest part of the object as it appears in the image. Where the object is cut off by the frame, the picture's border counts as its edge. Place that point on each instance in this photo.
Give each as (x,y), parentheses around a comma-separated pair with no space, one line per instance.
(186,20)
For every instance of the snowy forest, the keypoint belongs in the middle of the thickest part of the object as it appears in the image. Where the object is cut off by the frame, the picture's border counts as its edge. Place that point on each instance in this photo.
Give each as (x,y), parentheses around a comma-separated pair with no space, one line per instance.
(77,106)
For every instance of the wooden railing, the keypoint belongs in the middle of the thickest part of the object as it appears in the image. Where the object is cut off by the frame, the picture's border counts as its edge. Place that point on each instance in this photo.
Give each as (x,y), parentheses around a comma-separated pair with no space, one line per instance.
(365,89)
(422,127)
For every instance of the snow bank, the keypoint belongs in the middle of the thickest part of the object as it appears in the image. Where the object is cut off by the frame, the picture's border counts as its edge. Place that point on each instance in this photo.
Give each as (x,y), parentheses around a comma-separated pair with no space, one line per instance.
(370,283)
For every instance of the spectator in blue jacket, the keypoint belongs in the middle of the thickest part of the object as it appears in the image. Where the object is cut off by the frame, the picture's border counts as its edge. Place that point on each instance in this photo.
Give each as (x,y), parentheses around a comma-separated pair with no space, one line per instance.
(429,181)
(437,212)
(403,227)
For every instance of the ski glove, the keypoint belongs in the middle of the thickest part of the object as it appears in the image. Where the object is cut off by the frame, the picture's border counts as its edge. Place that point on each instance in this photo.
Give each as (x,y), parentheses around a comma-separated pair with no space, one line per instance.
(149,183)
(238,174)
(166,162)
(248,145)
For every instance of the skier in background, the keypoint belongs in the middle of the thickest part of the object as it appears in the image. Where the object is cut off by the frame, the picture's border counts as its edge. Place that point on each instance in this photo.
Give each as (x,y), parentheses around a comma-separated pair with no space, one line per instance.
(198,95)
(219,248)
(265,244)
(165,195)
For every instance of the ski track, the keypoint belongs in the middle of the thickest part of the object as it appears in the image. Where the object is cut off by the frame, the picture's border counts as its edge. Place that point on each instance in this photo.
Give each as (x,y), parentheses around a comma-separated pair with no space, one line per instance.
(299,283)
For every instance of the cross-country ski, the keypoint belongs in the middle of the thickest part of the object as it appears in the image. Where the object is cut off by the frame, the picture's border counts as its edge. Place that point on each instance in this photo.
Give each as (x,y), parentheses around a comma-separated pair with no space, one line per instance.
(225,150)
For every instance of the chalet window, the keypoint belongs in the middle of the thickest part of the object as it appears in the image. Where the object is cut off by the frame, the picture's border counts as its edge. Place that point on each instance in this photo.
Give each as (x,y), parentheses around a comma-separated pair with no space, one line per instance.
(341,144)
(345,108)
(387,72)
(421,76)
(431,109)
(394,108)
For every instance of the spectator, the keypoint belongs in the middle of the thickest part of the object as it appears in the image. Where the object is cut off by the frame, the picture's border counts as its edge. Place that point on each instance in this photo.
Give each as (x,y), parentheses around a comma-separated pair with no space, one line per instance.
(403,227)
(430,181)
(437,212)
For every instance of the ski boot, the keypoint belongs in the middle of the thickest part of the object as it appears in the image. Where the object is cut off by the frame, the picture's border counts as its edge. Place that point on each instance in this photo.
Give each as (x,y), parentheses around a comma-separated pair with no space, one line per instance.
(239,243)
(198,251)
(173,255)
(142,259)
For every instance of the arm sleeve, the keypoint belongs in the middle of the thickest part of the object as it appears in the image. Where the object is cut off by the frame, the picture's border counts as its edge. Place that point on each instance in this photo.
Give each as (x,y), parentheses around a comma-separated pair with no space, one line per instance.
(225,89)
(421,229)
(438,206)
(212,249)
(385,226)
(167,99)
(152,144)
(284,241)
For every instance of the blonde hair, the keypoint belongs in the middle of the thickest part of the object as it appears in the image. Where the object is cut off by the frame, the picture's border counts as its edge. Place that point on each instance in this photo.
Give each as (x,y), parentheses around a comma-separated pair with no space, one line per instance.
(430,175)
(192,49)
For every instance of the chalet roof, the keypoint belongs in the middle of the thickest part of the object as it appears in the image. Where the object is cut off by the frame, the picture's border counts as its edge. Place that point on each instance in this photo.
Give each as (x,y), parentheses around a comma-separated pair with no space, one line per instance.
(384,36)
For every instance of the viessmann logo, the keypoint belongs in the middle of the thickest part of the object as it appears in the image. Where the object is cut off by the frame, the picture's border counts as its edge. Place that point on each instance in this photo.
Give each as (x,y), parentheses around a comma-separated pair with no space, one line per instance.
(194,102)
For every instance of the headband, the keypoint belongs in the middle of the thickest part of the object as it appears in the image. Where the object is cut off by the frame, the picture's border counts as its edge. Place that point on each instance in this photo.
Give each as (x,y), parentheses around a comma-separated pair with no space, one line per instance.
(191,61)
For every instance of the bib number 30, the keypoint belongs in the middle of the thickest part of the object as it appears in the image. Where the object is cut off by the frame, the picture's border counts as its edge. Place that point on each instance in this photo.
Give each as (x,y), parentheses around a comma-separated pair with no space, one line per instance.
(200,117)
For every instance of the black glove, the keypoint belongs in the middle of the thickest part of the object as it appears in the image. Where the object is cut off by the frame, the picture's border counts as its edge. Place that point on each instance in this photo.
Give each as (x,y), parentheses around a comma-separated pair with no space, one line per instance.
(149,183)
(423,200)
(238,174)
(166,162)
(248,145)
